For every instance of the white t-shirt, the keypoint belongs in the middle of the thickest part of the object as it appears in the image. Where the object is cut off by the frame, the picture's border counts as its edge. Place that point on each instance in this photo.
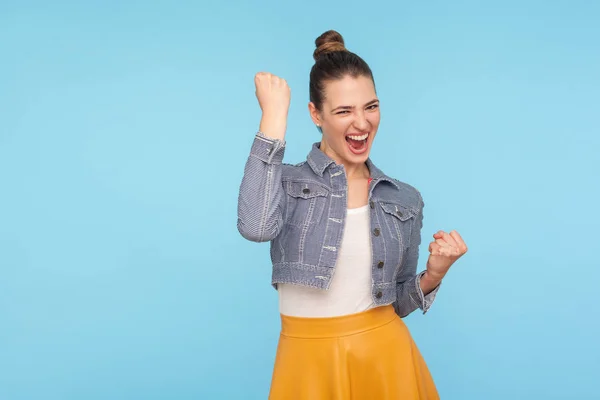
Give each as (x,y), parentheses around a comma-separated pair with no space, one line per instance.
(350,290)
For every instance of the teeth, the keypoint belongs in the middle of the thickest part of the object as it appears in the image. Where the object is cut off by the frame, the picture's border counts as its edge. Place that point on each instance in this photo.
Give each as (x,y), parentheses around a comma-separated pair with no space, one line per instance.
(361,137)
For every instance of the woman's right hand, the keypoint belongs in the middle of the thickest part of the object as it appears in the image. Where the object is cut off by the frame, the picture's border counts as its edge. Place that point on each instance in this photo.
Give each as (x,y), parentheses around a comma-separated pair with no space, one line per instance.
(273,94)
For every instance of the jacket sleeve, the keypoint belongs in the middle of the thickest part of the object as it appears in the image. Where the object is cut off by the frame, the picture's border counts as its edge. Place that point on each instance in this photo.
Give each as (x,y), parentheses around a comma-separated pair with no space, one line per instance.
(409,295)
(261,199)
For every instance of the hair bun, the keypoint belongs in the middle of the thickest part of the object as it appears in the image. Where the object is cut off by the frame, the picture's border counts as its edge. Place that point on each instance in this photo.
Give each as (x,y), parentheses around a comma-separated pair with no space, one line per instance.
(328,42)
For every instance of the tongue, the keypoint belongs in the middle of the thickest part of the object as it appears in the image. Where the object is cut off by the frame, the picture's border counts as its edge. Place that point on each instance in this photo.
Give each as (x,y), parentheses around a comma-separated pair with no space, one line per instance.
(357,144)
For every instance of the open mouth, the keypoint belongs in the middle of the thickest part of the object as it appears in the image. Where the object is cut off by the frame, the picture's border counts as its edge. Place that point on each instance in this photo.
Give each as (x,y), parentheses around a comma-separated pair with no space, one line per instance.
(357,143)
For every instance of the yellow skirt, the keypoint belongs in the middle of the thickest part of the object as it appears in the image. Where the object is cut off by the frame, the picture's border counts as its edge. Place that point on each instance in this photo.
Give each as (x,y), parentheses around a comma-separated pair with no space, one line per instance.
(369,355)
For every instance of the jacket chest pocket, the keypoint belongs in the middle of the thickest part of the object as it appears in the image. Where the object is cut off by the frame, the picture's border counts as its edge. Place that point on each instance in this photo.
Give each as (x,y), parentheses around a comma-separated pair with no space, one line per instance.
(305,202)
(400,220)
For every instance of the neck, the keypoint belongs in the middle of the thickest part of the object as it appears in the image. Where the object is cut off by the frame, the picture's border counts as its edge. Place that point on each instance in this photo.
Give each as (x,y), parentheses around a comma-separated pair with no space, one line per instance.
(356,171)
(353,170)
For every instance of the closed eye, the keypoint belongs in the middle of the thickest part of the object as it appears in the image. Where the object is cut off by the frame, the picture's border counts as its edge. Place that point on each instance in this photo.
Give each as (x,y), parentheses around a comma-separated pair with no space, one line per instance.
(347,110)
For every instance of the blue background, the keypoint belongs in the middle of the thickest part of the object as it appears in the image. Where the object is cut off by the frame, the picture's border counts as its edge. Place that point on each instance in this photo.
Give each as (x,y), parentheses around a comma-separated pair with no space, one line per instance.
(124,129)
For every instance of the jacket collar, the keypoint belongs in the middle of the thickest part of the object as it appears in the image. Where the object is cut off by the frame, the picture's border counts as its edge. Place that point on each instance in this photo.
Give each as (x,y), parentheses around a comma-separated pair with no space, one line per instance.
(319,161)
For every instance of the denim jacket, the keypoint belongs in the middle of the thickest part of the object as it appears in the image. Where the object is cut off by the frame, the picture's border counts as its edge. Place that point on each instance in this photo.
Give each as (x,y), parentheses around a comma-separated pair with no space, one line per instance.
(301,210)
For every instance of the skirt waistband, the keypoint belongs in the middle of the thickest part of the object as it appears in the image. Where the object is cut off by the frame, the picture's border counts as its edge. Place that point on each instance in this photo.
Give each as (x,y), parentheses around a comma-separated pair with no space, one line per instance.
(327,327)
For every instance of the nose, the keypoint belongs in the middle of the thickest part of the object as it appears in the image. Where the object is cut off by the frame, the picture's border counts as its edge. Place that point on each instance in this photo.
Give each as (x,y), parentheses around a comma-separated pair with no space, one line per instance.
(361,122)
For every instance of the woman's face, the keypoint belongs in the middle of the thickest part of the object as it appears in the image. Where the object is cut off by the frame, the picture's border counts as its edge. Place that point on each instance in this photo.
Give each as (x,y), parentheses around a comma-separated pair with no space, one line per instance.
(349,119)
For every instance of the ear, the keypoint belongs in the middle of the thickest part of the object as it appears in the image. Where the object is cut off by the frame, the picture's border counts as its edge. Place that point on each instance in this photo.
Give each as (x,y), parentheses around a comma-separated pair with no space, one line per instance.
(315,115)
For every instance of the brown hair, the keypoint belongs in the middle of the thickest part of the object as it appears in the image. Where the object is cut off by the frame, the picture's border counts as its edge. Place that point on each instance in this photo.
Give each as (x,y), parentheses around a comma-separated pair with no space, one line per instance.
(332,62)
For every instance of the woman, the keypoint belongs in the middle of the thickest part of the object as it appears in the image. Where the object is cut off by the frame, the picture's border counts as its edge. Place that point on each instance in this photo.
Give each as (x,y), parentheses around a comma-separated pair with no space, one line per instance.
(344,242)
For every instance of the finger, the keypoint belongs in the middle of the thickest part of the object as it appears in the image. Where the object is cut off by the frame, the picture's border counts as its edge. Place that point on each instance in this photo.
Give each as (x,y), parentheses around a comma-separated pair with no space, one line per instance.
(449,251)
(449,239)
(432,246)
(435,249)
(454,252)
(442,243)
(459,241)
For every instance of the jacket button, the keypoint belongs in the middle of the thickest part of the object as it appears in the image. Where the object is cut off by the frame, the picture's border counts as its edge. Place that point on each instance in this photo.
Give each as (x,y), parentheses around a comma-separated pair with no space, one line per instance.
(372,204)
(306,190)
(376,232)
(378,295)
(380,264)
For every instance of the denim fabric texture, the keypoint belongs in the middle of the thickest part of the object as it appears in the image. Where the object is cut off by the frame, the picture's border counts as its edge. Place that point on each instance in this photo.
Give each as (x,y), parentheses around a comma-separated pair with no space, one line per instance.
(301,210)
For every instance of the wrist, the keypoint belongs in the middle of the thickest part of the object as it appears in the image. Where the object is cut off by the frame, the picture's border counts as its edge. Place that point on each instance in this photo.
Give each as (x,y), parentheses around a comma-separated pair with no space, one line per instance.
(273,125)
(429,281)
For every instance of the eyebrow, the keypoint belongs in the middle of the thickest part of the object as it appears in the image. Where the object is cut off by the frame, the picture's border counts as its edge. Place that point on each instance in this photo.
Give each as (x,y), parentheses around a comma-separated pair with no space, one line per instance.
(352,107)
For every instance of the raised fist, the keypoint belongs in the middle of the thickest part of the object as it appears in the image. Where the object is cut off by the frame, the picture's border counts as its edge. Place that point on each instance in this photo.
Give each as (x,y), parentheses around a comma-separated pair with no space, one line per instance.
(273,94)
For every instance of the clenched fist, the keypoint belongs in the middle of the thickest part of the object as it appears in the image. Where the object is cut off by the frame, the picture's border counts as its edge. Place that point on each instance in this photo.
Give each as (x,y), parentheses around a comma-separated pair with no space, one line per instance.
(444,251)
(273,94)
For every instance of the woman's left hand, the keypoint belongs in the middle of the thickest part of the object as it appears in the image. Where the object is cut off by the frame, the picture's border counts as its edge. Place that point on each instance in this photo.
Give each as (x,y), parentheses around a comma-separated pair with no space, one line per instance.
(444,251)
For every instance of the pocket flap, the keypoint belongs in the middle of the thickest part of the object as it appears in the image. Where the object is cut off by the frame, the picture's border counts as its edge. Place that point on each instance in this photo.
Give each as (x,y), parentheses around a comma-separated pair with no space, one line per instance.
(305,190)
(399,211)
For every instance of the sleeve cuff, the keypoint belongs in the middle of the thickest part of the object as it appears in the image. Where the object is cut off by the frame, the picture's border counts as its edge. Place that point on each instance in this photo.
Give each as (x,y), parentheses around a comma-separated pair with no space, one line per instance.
(424,302)
(268,149)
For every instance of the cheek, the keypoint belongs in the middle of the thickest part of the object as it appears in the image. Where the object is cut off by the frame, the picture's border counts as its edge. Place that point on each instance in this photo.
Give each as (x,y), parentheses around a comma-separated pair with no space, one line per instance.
(338,128)
(374,119)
